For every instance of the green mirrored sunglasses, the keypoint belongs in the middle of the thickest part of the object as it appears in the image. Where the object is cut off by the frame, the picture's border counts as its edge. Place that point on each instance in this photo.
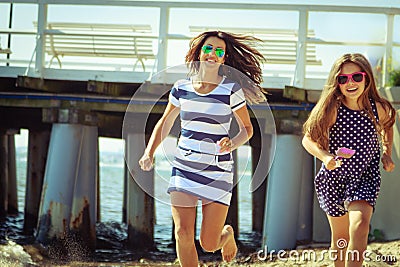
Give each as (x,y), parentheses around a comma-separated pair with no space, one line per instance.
(219,52)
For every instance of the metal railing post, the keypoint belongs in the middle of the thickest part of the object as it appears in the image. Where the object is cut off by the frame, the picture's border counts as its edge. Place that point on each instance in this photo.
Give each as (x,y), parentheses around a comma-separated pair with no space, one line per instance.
(10,23)
(388,60)
(40,42)
(162,40)
(300,72)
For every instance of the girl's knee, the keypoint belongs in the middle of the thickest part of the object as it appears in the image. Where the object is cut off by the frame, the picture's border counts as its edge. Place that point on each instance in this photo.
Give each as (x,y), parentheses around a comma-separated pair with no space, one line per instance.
(360,227)
(360,217)
(209,244)
(184,235)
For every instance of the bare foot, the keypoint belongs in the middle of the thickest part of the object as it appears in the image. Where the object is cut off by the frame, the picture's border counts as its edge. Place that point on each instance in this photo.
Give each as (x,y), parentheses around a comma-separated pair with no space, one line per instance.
(229,250)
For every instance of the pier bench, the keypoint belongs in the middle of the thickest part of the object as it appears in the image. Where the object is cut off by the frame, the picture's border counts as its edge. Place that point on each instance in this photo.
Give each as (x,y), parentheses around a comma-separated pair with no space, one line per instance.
(99,40)
(279,46)
(5,51)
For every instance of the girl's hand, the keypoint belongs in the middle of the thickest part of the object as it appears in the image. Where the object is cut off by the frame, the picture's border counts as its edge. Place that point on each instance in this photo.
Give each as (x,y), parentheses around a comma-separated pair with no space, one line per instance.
(146,162)
(225,144)
(388,163)
(330,163)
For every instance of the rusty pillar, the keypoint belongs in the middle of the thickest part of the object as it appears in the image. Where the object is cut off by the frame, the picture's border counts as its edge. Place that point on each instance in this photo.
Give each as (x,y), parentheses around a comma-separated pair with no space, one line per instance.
(304,223)
(98,200)
(83,214)
(125,198)
(261,161)
(12,205)
(3,174)
(283,194)
(58,187)
(258,196)
(38,145)
(233,212)
(140,204)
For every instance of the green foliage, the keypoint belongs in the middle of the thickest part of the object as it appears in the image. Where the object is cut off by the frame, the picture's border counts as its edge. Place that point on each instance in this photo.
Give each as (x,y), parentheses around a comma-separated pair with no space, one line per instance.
(394,78)
(376,235)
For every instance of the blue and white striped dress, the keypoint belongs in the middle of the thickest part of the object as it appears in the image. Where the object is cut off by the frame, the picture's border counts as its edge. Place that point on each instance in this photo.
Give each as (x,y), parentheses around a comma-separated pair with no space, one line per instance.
(199,168)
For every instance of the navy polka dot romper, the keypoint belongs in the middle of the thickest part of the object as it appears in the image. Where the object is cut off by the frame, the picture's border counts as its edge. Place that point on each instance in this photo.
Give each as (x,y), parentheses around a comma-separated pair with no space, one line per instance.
(359,177)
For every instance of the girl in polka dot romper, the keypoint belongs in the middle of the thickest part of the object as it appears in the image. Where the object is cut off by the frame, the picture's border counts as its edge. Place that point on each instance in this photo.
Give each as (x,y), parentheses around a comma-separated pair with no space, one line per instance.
(350,114)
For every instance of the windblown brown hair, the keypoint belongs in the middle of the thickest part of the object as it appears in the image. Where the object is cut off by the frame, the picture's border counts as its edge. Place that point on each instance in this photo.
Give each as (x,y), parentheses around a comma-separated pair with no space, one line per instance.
(322,116)
(239,55)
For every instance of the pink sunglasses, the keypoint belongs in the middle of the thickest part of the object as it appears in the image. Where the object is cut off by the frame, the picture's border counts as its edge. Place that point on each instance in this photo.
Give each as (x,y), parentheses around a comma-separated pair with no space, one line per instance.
(356,77)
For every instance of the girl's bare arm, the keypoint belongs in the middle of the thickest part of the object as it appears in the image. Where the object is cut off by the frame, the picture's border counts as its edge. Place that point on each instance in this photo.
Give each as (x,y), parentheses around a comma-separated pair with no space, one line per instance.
(160,132)
(314,149)
(245,131)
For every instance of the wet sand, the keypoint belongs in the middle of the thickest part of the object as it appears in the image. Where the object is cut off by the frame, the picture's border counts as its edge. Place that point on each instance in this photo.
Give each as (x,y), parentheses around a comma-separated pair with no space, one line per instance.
(378,254)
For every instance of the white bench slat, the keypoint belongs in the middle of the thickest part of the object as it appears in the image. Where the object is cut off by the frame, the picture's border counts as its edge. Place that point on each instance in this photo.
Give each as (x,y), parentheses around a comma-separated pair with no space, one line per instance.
(99,40)
(97,26)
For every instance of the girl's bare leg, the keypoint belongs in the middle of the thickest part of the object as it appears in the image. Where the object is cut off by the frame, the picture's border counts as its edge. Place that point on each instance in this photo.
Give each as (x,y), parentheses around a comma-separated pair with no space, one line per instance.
(214,234)
(360,213)
(339,238)
(184,216)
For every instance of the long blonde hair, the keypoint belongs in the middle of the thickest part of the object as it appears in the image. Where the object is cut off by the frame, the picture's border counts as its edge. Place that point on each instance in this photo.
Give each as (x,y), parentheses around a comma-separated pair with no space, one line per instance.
(323,114)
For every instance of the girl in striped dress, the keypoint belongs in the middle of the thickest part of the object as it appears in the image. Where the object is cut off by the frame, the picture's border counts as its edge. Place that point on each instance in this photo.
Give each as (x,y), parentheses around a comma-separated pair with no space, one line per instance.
(224,73)
(350,114)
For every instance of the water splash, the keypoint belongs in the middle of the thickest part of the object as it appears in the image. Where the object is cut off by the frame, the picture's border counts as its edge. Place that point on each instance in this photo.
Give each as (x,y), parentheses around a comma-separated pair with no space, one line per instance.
(12,254)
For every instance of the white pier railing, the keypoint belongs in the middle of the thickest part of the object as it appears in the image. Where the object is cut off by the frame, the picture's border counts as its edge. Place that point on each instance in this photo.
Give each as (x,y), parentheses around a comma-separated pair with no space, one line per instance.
(29,40)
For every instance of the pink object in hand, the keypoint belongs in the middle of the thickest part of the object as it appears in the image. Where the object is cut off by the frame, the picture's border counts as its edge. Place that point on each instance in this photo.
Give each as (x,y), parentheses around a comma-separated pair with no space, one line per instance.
(344,153)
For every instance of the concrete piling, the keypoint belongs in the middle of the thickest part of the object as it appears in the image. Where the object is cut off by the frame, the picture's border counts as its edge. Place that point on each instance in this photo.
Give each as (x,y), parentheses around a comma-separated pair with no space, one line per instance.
(83,212)
(3,174)
(233,212)
(58,188)
(140,204)
(283,193)
(12,194)
(261,162)
(38,144)
(304,223)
